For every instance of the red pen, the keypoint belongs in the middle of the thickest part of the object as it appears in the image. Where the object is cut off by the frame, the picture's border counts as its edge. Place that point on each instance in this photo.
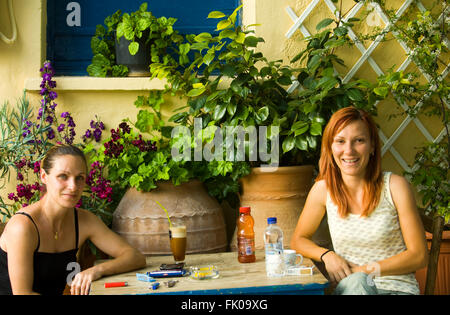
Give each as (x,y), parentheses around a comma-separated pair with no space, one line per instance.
(115,284)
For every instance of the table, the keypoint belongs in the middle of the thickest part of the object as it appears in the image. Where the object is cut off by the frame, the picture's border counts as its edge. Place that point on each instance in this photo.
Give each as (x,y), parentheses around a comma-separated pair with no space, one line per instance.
(234,278)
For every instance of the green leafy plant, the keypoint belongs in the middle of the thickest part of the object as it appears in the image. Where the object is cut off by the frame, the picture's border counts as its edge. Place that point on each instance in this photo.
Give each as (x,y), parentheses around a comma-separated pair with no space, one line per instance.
(228,83)
(139,154)
(426,35)
(157,31)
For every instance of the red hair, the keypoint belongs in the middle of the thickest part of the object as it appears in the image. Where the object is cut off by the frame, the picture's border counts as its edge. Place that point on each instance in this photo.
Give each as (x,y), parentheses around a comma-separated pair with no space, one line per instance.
(330,172)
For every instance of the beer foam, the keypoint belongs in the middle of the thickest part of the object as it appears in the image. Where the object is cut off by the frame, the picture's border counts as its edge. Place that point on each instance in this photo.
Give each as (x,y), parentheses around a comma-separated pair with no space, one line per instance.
(178,231)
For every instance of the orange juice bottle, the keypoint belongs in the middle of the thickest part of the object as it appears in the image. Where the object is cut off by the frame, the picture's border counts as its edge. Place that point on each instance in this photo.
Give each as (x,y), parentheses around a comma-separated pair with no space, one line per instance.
(245,236)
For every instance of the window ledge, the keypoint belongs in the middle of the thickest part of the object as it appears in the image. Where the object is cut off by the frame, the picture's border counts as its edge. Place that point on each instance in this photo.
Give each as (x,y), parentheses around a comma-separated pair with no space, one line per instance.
(99,84)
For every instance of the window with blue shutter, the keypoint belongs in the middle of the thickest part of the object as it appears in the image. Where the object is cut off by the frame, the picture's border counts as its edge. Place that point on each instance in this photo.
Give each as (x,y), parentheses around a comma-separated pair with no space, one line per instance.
(71,25)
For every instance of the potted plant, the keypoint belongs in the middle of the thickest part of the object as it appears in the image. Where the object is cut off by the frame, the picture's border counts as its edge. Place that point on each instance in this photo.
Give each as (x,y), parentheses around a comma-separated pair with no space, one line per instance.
(138,161)
(426,35)
(130,42)
(255,96)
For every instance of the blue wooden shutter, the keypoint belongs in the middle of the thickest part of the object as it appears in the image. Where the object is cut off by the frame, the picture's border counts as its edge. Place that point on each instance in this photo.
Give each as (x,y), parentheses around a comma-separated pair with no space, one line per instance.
(69,44)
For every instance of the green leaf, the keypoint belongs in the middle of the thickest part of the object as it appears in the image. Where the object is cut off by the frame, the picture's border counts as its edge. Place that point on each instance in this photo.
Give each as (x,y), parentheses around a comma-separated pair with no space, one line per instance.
(312,142)
(316,129)
(208,58)
(288,144)
(324,23)
(231,109)
(340,31)
(223,25)
(184,48)
(240,38)
(216,15)
(219,112)
(133,48)
(135,180)
(313,63)
(202,37)
(301,143)
(381,91)
(332,43)
(284,80)
(252,41)
(355,95)
(327,83)
(263,113)
(196,92)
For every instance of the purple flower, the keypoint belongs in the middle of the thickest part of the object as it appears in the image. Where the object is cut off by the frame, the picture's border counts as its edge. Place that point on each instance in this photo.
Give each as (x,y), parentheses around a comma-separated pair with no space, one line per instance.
(46,77)
(52,95)
(87,134)
(51,134)
(37,166)
(70,122)
(61,127)
(65,114)
(97,135)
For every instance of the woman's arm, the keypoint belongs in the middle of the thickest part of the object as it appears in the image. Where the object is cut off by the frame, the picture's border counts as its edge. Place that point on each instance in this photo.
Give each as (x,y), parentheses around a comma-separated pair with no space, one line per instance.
(126,258)
(416,254)
(310,218)
(20,239)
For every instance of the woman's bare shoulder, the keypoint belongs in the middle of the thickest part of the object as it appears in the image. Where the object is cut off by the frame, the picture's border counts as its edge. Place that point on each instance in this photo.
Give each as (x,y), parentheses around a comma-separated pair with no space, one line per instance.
(318,191)
(19,229)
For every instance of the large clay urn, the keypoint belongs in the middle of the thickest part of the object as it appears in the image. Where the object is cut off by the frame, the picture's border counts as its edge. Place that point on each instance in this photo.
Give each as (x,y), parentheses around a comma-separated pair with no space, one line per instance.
(140,220)
(281,193)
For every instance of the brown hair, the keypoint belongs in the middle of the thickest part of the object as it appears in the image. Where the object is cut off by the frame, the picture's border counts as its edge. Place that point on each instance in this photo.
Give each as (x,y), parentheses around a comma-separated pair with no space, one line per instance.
(330,172)
(60,150)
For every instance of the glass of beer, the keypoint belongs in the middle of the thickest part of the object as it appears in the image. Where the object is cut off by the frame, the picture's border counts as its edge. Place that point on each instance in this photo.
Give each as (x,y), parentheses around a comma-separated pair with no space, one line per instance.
(177,234)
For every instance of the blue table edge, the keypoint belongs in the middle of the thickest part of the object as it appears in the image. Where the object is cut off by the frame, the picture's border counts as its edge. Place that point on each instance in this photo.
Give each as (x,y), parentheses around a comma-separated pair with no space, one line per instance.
(296,289)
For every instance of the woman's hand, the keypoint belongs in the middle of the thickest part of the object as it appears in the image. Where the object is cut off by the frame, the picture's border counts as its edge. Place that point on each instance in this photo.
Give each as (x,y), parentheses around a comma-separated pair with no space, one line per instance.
(81,283)
(337,267)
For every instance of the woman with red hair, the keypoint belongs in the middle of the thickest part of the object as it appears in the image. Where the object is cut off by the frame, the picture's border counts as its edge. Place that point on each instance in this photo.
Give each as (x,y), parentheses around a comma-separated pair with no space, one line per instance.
(377,235)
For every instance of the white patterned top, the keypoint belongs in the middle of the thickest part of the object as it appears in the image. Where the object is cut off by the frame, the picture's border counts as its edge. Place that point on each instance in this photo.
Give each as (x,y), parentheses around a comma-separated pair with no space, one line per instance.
(366,240)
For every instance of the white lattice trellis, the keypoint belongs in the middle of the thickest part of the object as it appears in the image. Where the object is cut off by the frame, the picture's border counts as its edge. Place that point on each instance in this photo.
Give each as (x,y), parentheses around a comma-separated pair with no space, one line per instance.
(366,56)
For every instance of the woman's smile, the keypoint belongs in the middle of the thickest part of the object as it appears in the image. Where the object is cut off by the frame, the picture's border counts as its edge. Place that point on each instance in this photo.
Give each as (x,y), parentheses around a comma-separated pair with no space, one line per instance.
(351,148)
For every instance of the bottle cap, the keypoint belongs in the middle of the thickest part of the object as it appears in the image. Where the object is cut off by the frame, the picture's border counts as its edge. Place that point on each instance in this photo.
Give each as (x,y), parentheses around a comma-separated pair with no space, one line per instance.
(244,210)
(271,220)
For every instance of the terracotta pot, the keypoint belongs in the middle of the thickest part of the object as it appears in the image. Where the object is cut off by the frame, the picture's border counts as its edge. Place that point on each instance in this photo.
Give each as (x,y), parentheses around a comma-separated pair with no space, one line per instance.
(144,224)
(280,194)
(442,286)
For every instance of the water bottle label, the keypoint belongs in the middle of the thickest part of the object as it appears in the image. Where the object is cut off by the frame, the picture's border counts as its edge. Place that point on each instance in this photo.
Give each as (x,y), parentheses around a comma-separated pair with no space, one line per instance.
(274,263)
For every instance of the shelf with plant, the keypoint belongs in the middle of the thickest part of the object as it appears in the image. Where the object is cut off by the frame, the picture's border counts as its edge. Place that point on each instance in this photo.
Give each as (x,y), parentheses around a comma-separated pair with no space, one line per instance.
(141,24)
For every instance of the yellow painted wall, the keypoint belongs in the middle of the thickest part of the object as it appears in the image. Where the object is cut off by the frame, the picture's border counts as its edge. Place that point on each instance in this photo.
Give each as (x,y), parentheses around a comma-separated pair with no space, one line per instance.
(20,63)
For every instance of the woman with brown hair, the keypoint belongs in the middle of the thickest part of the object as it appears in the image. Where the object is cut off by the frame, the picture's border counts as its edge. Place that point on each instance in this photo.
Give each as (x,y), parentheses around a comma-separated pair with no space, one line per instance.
(377,235)
(39,244)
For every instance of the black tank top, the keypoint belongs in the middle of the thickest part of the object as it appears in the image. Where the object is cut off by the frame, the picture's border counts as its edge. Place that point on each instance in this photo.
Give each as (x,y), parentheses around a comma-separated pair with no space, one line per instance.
(50,269)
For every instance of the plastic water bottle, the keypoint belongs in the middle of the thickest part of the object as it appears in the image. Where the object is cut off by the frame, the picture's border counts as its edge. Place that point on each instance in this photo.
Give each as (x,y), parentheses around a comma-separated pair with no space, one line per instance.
(273,240)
